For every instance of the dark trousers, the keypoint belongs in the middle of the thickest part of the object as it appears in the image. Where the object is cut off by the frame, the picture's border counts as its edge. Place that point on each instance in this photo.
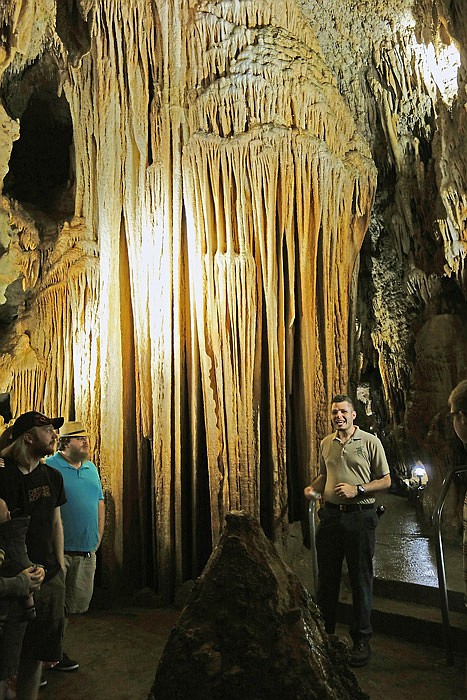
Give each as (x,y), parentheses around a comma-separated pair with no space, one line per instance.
(43,637)
(351,535)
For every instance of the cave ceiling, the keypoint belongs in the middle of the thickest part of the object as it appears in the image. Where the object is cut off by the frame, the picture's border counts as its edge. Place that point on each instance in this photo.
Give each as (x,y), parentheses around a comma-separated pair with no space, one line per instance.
(213,216)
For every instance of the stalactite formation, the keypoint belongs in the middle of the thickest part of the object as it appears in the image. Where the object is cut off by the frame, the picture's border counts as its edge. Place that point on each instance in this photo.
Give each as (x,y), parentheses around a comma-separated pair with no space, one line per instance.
(184,278)
(271,145)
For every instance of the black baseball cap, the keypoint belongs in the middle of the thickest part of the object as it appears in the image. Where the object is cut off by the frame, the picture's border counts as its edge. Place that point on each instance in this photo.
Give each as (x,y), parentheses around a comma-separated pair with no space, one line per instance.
(32,419)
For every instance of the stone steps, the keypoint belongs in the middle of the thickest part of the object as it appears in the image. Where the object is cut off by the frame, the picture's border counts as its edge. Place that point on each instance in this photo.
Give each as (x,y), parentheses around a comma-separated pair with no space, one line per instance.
(411,612)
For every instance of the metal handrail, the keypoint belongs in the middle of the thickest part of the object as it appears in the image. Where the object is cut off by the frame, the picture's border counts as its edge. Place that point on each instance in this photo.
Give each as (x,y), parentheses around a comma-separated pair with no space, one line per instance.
(440,561)
(314,556)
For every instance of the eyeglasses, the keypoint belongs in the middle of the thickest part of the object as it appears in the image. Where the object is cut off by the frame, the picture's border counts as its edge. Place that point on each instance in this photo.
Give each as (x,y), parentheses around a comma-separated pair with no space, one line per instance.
(450,416)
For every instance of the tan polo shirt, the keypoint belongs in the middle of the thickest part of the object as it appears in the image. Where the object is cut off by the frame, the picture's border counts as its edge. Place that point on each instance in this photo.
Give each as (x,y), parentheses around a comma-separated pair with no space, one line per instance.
(359,460)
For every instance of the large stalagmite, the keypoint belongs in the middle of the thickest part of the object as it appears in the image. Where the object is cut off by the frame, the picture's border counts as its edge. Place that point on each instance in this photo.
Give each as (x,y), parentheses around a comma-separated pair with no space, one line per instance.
(249,631)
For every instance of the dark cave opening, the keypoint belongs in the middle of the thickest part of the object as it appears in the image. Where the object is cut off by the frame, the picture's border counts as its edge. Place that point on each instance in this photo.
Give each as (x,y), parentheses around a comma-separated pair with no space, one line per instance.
(39,169)
(5,408)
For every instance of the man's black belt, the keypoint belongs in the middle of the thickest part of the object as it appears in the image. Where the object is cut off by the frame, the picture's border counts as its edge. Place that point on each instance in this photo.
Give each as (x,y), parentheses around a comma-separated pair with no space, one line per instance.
(350,507)
(71,553)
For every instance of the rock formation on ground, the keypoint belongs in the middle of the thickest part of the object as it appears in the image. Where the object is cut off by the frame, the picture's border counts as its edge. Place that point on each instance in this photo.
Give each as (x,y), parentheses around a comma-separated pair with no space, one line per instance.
(249,630)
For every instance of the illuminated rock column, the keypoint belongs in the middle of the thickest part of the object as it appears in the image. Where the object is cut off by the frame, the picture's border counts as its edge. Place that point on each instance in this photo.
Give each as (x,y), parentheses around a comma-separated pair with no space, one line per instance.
(129,192)
(278,192)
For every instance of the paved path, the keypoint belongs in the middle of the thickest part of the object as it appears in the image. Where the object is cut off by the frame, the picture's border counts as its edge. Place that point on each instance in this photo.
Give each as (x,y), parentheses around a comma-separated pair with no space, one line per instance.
(405,552)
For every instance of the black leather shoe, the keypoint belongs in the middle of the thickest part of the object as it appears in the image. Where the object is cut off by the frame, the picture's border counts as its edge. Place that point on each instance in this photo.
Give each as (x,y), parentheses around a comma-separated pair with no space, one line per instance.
(360,654)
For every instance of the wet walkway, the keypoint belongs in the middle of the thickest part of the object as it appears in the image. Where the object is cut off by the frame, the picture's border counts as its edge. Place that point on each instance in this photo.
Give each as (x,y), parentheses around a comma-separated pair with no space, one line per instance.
(406,553)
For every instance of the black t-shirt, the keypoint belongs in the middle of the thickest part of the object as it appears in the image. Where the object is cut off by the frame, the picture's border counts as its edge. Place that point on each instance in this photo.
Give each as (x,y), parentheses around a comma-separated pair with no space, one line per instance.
(36,494)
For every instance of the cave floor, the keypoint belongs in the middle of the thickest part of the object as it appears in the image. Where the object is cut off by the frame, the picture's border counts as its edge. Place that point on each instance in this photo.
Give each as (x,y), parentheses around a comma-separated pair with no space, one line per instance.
(118,652)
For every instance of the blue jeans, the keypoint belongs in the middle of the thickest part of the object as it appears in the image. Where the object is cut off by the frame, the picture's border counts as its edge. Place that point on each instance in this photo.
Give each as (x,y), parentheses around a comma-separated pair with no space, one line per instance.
(351,535)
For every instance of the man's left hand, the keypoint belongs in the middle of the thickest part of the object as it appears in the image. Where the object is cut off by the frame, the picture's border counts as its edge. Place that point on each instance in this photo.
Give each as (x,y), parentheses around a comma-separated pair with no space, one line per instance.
(345,491)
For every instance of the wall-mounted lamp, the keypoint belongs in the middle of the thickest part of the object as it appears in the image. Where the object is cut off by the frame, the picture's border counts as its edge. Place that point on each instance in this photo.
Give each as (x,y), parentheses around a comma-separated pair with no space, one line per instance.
(418,478)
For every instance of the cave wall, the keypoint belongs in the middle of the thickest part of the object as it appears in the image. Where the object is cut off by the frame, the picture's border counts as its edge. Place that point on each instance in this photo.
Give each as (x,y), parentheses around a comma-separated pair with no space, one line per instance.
(191,275)
(401,69)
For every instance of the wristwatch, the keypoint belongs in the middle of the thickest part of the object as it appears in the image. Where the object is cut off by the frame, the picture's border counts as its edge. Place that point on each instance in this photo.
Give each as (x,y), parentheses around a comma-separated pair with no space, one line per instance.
(360,490)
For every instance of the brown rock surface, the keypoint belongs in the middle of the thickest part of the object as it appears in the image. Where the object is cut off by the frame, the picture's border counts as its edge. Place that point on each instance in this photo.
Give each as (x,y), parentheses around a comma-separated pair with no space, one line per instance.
(249,630)
(195,252)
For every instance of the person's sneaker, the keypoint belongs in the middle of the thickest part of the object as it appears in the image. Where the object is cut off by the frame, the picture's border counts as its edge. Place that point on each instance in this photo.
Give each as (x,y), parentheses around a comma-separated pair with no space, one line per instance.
(360,654)
(43,681)
(65,664)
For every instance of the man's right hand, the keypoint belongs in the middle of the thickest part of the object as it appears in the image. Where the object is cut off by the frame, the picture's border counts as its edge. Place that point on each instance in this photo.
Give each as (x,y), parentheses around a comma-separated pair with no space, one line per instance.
(311,494)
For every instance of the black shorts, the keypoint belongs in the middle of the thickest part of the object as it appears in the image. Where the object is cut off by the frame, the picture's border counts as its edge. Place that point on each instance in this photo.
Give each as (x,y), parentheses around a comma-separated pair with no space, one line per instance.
(43,637)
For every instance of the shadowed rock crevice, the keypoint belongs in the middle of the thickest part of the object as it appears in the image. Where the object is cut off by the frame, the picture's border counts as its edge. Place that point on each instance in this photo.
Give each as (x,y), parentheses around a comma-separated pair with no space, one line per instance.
(41,167)
(40,161)
(250,630)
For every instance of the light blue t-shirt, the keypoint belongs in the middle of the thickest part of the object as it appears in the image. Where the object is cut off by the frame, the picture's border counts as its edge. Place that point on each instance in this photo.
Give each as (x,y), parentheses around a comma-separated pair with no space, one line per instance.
(80,512)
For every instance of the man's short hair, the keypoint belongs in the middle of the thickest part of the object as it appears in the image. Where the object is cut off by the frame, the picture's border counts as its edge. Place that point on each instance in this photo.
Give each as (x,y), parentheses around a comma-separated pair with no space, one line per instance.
(340,398)
(458,397)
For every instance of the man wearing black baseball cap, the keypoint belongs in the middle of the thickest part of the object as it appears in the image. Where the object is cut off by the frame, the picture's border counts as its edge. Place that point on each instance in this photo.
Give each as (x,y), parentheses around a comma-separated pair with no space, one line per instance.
(31,487)
(32,419)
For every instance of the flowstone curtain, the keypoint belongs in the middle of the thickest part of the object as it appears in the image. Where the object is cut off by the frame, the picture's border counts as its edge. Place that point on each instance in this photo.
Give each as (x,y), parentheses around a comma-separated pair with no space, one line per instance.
(222,195)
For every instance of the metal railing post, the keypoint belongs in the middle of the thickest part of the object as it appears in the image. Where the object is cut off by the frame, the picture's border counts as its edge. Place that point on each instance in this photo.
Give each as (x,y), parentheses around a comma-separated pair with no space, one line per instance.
(314,556)
(440,561)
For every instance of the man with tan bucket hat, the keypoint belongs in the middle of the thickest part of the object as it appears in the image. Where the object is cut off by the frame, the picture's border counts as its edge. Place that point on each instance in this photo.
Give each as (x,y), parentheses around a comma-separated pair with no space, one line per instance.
(83,520)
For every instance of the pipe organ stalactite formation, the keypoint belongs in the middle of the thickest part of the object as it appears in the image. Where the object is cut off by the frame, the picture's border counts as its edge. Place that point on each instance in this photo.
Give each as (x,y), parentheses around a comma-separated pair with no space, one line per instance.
(278,188)
(183,274)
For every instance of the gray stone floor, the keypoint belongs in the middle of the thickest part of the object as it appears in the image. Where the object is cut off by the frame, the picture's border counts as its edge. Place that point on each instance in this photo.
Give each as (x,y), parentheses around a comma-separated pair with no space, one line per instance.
(119,651)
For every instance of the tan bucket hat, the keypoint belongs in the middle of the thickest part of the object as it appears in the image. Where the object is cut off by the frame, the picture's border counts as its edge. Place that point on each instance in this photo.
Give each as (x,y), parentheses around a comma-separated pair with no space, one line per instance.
(73,428)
